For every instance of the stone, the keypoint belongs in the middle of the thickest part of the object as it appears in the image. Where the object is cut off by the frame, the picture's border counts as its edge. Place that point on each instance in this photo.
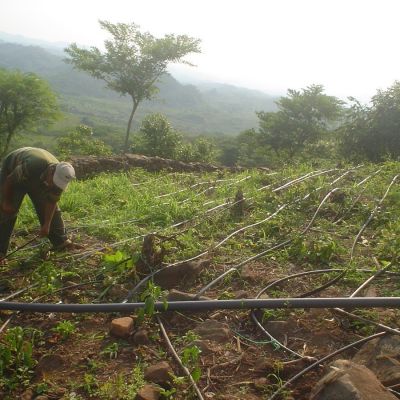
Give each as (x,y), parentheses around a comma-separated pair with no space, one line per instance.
(241,294)
(159,373)
(148,392)
(180,274)
(141,337)
(277,328)
(27,395)
(177,295)
(204,346)
(350,381)
(249,274)
(381,355)
(263,364)
(118,291)
(48,364)
(121,327)
(214,331)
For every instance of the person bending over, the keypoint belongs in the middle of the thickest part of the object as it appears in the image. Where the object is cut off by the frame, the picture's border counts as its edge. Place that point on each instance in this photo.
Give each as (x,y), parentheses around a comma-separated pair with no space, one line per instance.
(39,174)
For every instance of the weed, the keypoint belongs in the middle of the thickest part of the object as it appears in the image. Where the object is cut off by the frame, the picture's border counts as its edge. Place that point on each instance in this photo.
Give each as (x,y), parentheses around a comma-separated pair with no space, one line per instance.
(111,351)
(150,295)
(90,384)
(16,360)
(191,358)
(122,387)
(65,329)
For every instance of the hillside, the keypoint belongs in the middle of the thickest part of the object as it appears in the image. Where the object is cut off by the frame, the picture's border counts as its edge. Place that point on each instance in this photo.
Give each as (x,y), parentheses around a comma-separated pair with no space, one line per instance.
(209,109)
(301,233)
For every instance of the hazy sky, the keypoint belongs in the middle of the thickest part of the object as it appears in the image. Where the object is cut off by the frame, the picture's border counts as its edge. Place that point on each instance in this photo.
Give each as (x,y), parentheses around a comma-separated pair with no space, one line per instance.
(349,46)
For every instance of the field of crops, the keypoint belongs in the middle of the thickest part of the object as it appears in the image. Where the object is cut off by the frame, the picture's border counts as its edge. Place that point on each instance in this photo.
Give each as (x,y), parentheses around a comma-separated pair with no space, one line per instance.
(296,232)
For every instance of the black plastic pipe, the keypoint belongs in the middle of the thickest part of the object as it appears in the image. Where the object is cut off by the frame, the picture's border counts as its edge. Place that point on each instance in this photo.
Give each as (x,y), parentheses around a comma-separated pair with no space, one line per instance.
(202,305)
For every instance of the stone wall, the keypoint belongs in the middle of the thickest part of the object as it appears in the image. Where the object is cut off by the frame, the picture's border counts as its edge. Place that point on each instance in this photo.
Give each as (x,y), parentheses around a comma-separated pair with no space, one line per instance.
(86,166)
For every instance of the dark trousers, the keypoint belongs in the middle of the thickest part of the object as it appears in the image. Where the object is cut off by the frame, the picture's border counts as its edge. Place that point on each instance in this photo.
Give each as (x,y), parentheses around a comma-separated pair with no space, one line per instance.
(57,234)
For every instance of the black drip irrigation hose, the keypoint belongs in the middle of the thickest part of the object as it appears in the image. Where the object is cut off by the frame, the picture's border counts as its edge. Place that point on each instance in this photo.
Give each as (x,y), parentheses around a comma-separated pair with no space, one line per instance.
(253,315)
(265,252)
(369,219)
(322,360)
(178,359)
(276,247)
(203,305)
(384,327)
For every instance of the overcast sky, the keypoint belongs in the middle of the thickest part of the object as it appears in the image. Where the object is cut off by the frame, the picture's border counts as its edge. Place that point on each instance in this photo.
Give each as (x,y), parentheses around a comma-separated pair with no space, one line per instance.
(349,46)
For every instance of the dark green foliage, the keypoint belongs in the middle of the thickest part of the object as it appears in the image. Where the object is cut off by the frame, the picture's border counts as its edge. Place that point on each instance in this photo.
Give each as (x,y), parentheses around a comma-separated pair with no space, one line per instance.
(81,142)
(373,132)
(303,119)
(156,137)
(25,101)
(133,61)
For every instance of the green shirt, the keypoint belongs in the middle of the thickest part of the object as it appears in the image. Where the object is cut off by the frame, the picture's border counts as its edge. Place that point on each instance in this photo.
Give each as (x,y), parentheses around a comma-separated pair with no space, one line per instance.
(27,167)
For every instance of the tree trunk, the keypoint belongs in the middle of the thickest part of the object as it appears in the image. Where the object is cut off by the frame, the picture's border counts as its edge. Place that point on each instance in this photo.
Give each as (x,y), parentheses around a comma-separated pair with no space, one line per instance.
(128,130)
(7,145)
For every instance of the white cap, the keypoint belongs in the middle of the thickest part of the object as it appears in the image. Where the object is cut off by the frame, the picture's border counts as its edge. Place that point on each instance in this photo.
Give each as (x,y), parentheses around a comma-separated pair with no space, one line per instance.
(63,175)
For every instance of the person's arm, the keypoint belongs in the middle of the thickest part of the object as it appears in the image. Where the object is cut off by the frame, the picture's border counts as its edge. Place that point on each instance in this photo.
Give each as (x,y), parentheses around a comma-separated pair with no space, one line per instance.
(49,210)
(7,192)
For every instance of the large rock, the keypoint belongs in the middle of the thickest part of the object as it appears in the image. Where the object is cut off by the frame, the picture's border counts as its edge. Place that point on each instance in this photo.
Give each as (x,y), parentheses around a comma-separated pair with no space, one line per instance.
(180,274)
(141,337)
(49,364)
(214,331)
(121,327)
(160,373)
(382,356)
(148,392)
(350,381)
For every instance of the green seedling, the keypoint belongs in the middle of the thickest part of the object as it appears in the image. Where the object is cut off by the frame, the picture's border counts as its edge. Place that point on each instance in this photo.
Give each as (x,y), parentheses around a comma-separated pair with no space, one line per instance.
(65,329)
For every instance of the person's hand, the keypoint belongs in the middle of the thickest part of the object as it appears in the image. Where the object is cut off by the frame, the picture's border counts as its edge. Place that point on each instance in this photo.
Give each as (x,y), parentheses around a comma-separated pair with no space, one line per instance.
(8,208)
(44,231)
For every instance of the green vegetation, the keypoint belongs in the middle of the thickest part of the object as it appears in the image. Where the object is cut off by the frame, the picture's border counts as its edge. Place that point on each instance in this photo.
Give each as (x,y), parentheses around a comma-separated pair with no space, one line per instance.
(115,213)
(80,142)
(16,357)
(133,61)
(25,102)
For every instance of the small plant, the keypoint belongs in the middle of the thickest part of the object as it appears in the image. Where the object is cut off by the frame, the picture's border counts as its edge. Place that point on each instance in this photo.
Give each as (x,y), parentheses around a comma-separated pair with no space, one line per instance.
(191,358)
(16,360)
(65,329)
(150,296)
(111,351)
(122,387)
(90,384)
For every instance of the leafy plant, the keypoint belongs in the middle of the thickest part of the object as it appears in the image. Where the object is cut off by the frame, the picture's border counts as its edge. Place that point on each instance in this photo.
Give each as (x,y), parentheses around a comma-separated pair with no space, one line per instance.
(65,329)
(16,357)
(111,351)
(191,358)
(122,387)
(150,295)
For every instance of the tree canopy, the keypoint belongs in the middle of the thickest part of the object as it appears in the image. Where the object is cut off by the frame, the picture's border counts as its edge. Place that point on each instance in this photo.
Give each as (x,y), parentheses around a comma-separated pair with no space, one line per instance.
(303,118)
(25,101)
(133,61)
(373,132)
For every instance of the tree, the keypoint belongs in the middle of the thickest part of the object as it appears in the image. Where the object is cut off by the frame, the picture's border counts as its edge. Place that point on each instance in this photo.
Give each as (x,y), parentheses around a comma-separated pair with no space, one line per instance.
(133,61)
(25,101)
(303,118)
(373,131)
(81,142)
(157,137)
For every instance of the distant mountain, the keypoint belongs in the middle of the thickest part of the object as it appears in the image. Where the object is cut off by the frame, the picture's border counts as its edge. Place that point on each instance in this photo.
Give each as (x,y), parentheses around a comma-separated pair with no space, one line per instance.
(207,108)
